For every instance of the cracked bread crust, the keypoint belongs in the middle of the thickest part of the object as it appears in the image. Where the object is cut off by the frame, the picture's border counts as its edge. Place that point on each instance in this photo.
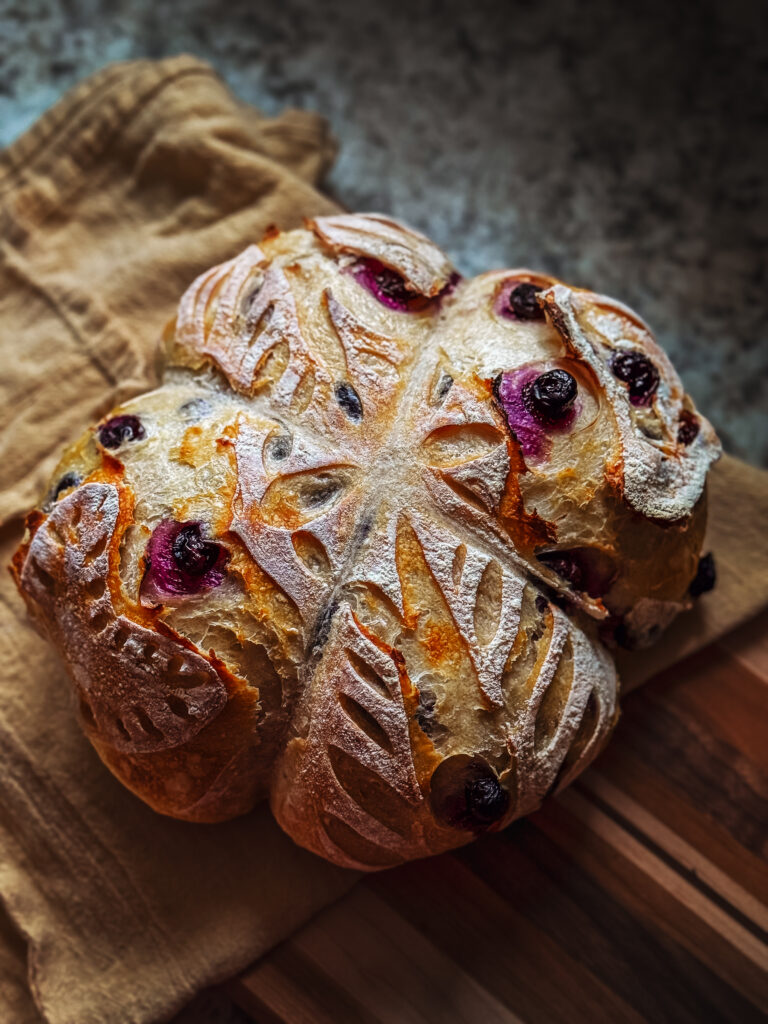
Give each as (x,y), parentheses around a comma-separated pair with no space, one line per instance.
(362,550)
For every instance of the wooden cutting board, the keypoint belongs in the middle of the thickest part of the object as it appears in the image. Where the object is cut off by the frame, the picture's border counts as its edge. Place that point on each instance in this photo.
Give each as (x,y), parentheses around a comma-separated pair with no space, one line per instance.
(639,894)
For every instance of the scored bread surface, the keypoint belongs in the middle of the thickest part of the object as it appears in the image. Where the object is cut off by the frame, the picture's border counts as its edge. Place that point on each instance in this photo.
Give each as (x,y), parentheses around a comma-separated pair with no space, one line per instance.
(402,577)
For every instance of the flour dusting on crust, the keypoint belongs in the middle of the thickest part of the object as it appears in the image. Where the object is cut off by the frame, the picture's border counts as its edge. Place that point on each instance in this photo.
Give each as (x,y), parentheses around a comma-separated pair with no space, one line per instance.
(362,552)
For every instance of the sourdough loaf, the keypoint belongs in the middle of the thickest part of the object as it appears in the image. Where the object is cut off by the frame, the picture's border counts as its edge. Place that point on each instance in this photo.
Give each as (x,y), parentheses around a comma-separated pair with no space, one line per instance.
(365,550)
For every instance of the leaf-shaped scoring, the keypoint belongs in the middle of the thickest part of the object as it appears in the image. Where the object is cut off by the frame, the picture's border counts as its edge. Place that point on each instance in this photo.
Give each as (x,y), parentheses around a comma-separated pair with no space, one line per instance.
(141,690)
(354,683)
(353,782)
(375,477)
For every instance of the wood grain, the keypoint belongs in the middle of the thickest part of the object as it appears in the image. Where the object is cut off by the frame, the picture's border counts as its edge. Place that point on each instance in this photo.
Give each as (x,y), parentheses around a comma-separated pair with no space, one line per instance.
(639,894)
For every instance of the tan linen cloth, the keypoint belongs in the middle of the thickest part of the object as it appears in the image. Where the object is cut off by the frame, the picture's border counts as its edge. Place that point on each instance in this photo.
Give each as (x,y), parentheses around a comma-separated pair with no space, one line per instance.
(116,199)
(138,180)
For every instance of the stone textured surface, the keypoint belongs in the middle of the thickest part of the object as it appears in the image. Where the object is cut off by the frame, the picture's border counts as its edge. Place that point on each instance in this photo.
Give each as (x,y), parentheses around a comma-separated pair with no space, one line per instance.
(623,153)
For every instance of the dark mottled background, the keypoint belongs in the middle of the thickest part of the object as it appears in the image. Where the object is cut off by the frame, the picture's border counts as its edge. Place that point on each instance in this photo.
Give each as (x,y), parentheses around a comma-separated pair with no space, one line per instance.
(619,146)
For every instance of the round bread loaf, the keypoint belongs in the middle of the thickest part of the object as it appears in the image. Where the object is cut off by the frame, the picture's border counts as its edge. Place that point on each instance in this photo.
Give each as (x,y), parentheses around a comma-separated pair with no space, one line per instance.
(362,550)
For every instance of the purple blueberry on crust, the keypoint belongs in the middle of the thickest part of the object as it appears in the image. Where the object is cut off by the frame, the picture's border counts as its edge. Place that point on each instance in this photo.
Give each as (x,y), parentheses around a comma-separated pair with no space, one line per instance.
(120,429)
(550,396)
(486,798)
(688,428)
(180,562)
(191,553)
(516,392)
(466,793)
(706,576)
(523,303)
(586,569)
(63,484)
(565,566)
(391,290)
(349,400)
(385,284)
(637,371)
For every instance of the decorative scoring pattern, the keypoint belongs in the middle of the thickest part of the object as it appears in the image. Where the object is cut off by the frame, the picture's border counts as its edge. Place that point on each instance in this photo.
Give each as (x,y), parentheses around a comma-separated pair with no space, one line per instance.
(170,693)
(378,486)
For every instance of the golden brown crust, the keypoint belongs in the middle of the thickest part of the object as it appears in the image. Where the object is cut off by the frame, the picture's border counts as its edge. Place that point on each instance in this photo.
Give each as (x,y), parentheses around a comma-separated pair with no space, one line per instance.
(339,558)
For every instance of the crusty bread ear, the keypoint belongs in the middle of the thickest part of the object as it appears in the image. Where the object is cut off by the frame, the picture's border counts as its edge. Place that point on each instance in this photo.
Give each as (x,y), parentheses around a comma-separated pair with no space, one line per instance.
(361,550)
(662,478)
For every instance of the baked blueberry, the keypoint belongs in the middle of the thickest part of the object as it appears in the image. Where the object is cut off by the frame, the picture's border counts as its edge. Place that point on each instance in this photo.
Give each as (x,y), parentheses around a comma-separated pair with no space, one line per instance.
(120,429)
(391,288)
(180,562)
(486,798)
(193,554)
(69,479)
(516,393)
(425,713)
(390,284)
(637,371)
(320,491)
(466,793)
(706,576)
(688,428)
(444,385)
(523,303)
(349,401)
(195,409)
(385,284)
(278,447)
(564,565)
(550,396)
(589,570)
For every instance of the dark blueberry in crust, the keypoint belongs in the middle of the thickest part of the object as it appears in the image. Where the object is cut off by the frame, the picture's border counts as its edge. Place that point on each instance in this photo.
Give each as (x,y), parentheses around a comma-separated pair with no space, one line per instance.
(191,553)
(349,401)
(323,627)
(541,603)
(705,578)
(120,429)
(180,563)
(425,713)
(551,395)
(68,480)
(589,570)
(487,800)
(688,428)
(637,371)
(390,284)
(391,290)
(465,793)
(321,493)
(387,286)
(522,302)
(444,385)
(565,567)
